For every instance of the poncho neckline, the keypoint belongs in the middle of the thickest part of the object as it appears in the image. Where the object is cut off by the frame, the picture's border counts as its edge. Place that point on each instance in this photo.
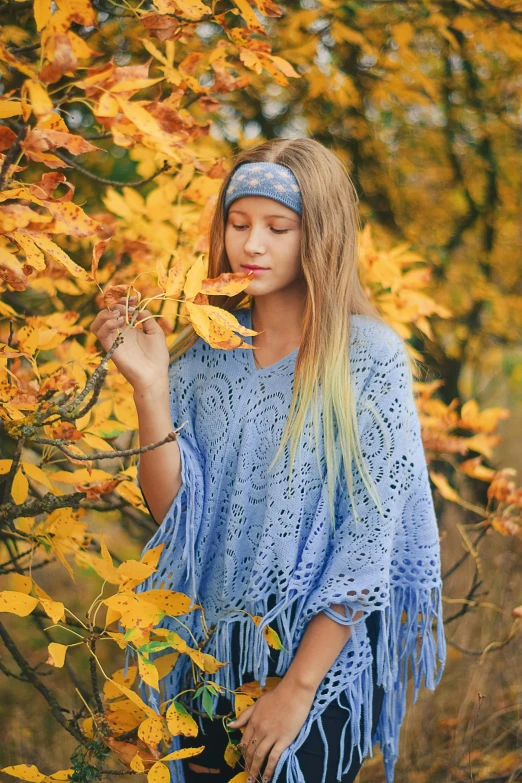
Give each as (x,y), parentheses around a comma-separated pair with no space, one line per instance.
(281,364)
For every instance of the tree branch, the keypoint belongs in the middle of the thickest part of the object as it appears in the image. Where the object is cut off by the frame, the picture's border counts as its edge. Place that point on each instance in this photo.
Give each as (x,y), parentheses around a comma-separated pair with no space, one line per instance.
(56,709)
(103,180)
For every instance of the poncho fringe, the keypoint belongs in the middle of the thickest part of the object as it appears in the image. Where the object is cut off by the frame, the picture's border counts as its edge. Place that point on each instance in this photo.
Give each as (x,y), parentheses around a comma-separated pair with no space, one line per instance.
(409,614)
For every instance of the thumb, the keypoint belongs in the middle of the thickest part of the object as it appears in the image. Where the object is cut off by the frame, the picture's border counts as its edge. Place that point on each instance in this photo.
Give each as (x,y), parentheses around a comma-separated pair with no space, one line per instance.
(243,718)
(149,322)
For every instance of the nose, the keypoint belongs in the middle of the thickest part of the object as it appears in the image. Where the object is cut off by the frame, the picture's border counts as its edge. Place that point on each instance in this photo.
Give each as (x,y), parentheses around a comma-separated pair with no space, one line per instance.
(254,244)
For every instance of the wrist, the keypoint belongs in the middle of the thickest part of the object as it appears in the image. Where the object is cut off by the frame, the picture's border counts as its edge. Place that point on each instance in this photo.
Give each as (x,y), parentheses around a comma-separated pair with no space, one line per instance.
(299,682)
(155,394)
(156,391)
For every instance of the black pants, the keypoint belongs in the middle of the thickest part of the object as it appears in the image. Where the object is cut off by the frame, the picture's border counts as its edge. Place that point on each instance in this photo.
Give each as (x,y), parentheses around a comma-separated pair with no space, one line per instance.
(311,753)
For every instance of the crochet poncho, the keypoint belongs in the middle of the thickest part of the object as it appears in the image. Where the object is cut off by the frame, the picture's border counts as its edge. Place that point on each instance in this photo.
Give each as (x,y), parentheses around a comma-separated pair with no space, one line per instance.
(234,535)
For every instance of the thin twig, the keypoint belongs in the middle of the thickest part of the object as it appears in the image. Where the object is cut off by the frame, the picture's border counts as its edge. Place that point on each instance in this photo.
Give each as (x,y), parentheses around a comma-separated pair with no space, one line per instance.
(113,182)
(106,454)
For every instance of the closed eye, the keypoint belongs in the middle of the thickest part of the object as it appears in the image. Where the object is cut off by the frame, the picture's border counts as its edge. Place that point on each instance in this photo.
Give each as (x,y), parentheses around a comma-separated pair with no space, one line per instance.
(274,230)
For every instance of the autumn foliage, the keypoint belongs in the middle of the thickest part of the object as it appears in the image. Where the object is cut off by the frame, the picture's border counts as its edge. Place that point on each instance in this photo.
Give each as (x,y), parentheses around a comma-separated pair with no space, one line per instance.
(117,130)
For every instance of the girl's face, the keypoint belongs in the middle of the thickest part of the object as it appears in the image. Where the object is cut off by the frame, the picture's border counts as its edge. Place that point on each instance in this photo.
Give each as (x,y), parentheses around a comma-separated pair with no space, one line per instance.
(262,232)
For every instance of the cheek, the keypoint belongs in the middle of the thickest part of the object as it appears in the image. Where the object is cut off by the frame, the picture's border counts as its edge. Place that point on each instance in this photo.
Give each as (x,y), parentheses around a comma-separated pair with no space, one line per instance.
(230,243)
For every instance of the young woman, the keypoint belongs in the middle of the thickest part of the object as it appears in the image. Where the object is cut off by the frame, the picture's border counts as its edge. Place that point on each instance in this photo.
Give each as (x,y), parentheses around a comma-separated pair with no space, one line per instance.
(297,495)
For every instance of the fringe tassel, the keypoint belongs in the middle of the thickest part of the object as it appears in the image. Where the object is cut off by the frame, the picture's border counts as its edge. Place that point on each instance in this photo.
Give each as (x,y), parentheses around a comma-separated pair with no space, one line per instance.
(397,648)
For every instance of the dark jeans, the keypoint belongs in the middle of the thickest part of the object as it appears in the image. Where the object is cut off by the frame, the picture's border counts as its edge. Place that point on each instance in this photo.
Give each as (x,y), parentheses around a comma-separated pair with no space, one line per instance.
(311,753)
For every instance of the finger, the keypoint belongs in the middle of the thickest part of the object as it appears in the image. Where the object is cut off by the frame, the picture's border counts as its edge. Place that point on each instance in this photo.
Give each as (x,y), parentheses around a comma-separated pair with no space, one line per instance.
(111,326)
(251,752)
(271,764)
(98,325)
(262,748)
(243,718)
(149,322)
(120,308)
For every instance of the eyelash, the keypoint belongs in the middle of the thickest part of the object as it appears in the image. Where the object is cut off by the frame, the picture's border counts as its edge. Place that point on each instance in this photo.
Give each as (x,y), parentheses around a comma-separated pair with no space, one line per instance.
(275,230)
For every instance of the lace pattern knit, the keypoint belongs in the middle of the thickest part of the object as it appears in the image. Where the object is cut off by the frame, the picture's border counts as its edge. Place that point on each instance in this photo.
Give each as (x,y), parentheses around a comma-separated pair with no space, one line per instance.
(234,535)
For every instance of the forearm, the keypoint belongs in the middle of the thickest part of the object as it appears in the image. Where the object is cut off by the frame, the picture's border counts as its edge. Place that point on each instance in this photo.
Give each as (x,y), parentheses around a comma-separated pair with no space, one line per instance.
(160,469)
(320,645)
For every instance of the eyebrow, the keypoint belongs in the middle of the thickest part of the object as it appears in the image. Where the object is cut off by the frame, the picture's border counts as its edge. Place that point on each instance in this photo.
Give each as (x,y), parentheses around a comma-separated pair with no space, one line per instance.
(283,217)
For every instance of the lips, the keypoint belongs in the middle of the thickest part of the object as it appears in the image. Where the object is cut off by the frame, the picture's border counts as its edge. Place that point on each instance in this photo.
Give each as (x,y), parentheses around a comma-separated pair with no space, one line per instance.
(252,266)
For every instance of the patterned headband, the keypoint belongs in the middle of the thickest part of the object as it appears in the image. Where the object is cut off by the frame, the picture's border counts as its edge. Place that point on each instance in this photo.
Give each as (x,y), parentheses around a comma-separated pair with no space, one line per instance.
(265,179)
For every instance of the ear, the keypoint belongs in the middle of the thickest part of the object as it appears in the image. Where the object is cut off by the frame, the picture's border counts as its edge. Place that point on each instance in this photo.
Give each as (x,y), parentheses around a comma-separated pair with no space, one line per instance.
(243,718)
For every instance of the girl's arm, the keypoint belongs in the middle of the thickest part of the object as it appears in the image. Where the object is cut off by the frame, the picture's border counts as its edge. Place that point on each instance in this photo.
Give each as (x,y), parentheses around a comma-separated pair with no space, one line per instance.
(321,643)
(160,469)
(276,718)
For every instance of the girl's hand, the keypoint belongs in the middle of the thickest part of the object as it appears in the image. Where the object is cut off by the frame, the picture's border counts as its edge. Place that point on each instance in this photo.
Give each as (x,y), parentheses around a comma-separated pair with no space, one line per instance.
(274,721)
(143,357)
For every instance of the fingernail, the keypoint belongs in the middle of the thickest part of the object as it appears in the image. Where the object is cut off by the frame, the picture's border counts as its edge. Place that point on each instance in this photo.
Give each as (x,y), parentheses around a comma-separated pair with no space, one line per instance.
(249,780)
(121,318)
(132,298)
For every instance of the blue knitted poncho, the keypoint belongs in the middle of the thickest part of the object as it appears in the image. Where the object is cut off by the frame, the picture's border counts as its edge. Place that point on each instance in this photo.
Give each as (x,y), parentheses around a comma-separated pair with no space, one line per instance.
(234,535)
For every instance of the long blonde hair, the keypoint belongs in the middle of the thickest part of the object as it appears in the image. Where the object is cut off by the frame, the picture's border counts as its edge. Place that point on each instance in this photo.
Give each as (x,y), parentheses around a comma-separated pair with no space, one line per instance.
(329,262)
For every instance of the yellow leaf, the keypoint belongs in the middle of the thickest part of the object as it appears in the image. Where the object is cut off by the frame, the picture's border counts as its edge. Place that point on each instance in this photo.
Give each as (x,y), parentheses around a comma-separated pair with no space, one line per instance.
(151,731)
(41,104)
(20,488)
(22,584)
(226,319)
(132,85)
(180,722)
(402,33)
(447,492)
(33,255)
(137,763)
(80,476)
(152,556)
(241,778)
(131,493)
(192,9)
(71,219)
(59,775)
(25,772)
(53,609)
(136,700)
(183,753)
(170,602)
(49,247)
(158,773)
(5,466)
(232,754)
(241,703)
(36,473)
(165,664)
(56,654)
(97,443)
(248,14)
(79,46)
(143,120)
(107,559)
(9,109)
(28,339)
(199,320)
(110,691)
(88,727)
(133,571)
(148,672)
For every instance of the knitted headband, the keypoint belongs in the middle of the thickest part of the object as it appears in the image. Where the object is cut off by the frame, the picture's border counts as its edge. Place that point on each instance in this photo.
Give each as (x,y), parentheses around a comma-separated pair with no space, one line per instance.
(265,179)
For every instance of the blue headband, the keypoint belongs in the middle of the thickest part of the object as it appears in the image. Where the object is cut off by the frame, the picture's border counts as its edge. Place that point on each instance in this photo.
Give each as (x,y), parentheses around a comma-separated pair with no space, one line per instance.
(265,179)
